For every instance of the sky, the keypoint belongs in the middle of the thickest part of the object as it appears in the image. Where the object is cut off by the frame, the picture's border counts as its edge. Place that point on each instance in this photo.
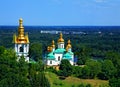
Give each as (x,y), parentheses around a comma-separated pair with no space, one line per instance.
(60,12)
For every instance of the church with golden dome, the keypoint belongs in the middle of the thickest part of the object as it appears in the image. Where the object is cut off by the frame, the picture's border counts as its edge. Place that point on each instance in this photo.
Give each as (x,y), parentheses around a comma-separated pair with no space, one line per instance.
(54,56)
(21,42)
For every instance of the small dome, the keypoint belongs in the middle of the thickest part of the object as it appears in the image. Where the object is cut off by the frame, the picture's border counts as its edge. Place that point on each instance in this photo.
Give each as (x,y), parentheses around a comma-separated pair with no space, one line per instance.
(53,44)
(61,38)
(69,44)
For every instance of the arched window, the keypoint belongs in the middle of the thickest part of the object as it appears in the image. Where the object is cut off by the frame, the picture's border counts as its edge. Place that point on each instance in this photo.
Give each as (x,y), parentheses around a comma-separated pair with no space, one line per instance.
(50,62)
(21,49)
(58,58)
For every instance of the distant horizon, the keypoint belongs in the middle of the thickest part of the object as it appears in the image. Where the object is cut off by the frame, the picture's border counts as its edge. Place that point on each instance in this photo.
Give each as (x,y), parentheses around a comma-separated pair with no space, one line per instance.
(62,25)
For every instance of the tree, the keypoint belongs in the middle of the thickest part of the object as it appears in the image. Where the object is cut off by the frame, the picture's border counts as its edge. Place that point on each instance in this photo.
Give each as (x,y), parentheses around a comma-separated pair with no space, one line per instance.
(36,51)
(65,68)
(94,66)
(85,72)
(114,82)
(115,58)
(11,74)
(77,71)
(2,49)
(23,67)
(37,76)
(108,69)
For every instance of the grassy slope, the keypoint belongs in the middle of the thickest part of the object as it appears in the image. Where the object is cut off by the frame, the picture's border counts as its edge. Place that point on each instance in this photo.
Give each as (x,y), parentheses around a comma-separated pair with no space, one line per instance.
(70,81)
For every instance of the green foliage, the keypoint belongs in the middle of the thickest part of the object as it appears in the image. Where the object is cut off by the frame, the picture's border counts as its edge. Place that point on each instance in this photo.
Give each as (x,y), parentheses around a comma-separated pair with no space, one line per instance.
(36,51)
(81,85)
(88,85)
(108,70)
(77,71)
(83,54)
(114,82)
(15,73)
(2,49)
(115,58)
(94,66)
(85,72)
(65,68)
(39,80)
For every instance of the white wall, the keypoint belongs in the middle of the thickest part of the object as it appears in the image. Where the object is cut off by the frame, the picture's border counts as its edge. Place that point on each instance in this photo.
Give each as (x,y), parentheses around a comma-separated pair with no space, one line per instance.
(25,50)
(53,62)
(61,45)
(56,58)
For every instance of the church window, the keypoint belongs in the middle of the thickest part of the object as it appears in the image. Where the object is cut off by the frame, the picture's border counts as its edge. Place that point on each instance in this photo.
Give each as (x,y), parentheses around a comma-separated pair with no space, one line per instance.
(21,49)
(50,62)
(58,58)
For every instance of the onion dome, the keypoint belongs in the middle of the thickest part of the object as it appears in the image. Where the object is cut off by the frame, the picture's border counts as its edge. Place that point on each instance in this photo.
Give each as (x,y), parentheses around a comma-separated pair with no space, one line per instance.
(51,49)
(61,38)
(69,44)
(48,49)
(53,44)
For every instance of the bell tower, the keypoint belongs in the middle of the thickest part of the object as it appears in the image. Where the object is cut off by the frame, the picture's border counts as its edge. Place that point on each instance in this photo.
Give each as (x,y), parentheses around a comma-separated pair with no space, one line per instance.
(21,42)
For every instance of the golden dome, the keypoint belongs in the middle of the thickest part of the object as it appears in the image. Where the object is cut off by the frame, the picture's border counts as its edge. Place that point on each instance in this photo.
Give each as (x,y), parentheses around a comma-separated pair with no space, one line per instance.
(69,44)
(61,38)
(48,48)
(53,44)
(21,38)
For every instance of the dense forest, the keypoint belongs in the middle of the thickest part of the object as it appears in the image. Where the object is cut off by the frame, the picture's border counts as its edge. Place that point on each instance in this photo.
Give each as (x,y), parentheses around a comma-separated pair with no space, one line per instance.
(96,48)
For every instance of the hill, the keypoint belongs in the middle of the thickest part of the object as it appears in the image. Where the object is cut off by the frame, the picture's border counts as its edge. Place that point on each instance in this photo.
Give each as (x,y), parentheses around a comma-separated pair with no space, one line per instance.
(74,82)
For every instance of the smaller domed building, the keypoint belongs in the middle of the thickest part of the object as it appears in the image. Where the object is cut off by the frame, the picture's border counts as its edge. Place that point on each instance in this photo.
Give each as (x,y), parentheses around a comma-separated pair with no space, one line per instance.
(54,56)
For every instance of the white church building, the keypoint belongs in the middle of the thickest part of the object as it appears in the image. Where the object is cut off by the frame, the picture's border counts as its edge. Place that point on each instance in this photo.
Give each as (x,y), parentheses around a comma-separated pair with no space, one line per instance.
(54,56)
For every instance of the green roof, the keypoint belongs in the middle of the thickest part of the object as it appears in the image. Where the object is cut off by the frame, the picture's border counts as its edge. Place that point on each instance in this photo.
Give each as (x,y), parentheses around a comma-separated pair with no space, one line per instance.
(71,53)
(50,56)
(67,56)
(60,50)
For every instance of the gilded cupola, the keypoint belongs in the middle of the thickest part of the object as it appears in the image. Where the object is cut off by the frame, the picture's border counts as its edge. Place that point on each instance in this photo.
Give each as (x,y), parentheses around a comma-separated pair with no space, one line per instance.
(61,38)
(69,44)
(21,38)
(49,49)
(53,44)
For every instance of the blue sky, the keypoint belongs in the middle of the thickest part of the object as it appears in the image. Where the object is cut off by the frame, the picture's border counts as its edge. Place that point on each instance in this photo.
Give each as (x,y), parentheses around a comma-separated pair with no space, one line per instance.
(60,12)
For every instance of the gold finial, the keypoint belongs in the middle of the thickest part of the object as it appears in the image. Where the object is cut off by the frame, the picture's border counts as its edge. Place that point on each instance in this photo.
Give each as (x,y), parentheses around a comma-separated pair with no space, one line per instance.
(53,43)
(69,44)
(21,28)
(20,22)
(21,38)
(61,35)
(61,38)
